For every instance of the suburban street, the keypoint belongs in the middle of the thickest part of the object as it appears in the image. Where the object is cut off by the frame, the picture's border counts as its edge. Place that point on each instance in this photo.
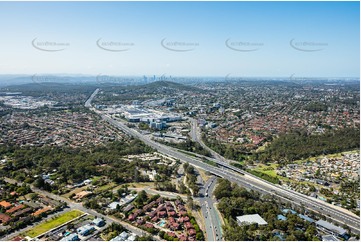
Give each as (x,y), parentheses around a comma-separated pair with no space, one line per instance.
(79,206)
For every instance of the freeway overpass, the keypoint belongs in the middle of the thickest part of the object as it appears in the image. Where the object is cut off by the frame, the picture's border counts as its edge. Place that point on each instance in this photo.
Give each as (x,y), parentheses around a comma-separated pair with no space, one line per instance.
(247,180)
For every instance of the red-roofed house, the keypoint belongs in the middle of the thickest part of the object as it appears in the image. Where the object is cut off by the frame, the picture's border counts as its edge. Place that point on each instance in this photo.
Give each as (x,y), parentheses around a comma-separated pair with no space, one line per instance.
(172,213)
(183,237)
(132,217)
(174,226)
(188,225)
(14,209)
(183,212)
(4,218)
(149,225)
(162,214)
(13,193)
(172,234)
(17,238)
(192,232)
(5,204)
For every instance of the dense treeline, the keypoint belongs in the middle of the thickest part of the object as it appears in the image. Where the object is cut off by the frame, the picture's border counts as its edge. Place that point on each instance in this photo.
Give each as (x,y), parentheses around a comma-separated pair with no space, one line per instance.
(316,107)
(71,165)
(191,178)
(191,146)
(226,150)
(237,201)
(300,145)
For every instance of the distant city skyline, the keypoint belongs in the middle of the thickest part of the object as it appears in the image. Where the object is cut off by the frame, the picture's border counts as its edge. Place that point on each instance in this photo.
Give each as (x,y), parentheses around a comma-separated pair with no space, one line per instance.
(249,39)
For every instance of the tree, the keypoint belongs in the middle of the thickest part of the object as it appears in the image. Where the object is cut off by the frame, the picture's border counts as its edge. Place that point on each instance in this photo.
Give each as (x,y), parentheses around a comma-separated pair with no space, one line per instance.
(223,189)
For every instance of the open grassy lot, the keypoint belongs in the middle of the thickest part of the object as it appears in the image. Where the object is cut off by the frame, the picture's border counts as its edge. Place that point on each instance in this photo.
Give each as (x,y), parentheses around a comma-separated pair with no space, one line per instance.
(106,187)
(48,225)
(139,185)
(203,174)
(267,169)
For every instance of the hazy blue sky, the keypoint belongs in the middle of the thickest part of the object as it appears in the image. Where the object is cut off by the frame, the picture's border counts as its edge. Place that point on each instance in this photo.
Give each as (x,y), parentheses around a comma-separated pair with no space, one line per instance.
(301,38)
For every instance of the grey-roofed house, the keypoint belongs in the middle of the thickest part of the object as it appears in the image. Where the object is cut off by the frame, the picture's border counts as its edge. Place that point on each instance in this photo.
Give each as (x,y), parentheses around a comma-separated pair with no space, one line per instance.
(121,237)
(286,210)
(308,219)
(99,222)
(85,230)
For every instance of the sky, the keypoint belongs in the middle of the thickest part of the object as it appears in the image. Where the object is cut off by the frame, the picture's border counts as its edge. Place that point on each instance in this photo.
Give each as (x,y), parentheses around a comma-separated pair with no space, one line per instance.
(250,39)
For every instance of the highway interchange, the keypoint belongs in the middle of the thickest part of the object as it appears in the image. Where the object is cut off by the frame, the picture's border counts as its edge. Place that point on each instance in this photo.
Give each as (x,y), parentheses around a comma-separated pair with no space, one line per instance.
(224,170)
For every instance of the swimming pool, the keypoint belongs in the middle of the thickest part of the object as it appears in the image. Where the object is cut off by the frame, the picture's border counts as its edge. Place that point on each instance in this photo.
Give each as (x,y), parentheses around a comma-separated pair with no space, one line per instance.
(162,223)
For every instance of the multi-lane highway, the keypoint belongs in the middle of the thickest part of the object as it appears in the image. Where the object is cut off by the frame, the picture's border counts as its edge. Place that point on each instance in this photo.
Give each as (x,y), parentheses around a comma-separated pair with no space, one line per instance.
(212,222)
(233,174)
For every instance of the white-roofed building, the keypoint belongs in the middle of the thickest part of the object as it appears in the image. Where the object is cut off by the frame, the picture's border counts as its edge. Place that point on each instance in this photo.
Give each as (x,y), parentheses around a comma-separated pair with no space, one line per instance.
(121,237)
(329,237)
(251,219)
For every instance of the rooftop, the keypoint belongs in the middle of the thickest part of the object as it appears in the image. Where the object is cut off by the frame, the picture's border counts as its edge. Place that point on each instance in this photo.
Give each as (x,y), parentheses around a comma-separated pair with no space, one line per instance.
(331,227)
(329,238)
(250,219)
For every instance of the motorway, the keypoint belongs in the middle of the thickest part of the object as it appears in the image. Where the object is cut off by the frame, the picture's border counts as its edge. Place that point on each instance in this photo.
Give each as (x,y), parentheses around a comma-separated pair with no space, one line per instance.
(246,180)
(196,136)
(212,221)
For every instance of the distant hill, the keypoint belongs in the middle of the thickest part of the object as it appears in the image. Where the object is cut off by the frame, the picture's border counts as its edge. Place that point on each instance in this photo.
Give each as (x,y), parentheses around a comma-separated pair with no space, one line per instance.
(157,87)
(40,89)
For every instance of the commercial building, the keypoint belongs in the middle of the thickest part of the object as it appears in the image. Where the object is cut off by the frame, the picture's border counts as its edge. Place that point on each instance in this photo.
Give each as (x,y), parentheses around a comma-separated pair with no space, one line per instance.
(251,219)
(330,228)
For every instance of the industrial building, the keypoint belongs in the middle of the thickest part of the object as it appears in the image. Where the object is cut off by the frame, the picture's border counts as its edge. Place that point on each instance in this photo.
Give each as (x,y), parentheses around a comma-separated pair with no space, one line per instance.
(332,229)
(251,219)
(136,114)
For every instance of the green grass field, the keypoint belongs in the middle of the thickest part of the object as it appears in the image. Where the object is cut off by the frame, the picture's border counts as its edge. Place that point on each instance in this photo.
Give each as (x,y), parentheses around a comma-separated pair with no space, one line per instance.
(106,187)
(269,170)
(46,226)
